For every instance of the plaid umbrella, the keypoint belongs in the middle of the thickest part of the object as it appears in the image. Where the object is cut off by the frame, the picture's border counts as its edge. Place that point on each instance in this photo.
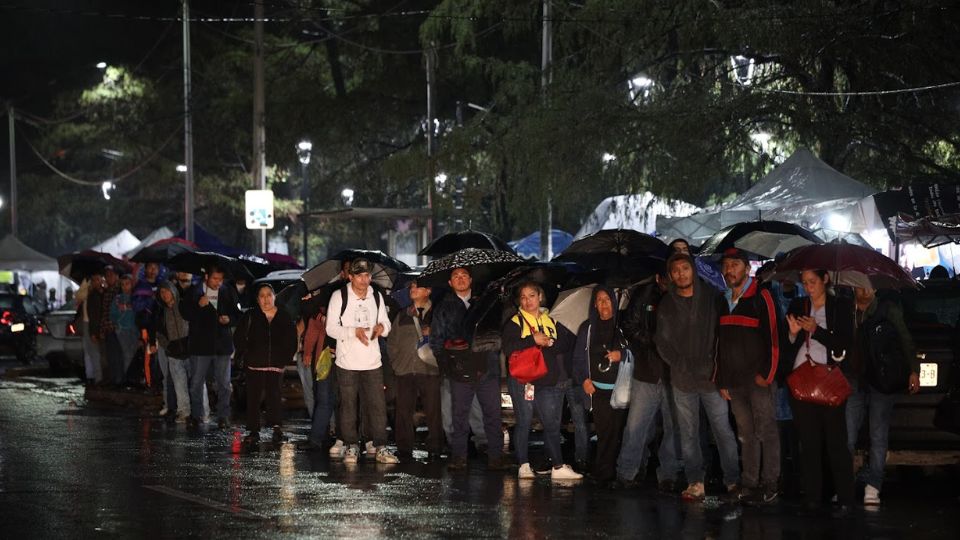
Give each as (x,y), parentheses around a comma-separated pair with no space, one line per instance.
(485,265)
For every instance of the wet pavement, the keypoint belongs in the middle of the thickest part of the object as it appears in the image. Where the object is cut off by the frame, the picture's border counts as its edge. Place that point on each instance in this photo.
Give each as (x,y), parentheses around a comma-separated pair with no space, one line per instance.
(69,469)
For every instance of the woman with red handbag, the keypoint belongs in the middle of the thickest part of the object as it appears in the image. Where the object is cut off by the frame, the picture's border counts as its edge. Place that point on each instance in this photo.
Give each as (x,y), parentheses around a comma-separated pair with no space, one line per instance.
(821,332)
(535,346)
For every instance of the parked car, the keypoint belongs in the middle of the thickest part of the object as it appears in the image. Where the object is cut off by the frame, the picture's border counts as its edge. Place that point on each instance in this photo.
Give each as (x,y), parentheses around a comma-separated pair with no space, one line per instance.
(60,342)
(19,325)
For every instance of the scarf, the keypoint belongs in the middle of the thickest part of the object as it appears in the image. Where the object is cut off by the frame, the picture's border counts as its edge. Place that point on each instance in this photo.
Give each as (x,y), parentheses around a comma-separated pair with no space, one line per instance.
(541,322)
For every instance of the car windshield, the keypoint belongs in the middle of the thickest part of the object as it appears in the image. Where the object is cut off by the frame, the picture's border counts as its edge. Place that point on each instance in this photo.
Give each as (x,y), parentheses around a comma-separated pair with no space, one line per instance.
(938,306)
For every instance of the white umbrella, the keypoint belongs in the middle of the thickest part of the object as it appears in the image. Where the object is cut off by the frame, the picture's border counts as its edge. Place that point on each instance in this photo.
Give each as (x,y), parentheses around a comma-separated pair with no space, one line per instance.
(768,245)
(573,305)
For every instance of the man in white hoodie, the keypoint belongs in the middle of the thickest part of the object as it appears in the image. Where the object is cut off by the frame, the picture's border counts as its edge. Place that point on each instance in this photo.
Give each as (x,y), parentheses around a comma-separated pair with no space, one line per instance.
(357,318)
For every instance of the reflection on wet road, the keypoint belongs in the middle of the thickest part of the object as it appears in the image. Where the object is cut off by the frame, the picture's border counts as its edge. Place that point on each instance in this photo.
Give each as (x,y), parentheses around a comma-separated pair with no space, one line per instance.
(68,469)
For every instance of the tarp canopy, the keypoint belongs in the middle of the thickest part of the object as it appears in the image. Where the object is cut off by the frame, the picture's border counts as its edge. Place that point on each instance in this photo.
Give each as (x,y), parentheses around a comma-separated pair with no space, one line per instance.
(207,241)
(159,234)
(15,255)
(639,212)
(802,190)
(118,244)
(529,246)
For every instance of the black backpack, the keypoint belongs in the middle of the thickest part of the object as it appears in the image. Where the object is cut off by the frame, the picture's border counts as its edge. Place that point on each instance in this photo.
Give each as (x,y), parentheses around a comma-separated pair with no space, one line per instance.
(887,369)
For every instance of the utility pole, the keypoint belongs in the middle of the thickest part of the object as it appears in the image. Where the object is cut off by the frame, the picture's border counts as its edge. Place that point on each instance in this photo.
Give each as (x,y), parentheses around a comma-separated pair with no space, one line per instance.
(546,59)
(430,57)
(11,117)
(259,130)
(187,127)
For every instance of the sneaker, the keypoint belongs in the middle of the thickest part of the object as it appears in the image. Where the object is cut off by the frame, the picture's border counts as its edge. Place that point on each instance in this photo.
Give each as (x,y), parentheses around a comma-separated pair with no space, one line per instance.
(163,411)
(564,472)
(352,455)
(544,470)
(733,492)
(525,472)
(871,496)
(370,449)
(458,463)
(384,455)
(182,418)
(770,495)
(338,450)
(223,423)
(694,492)
(278,435)
(750,496)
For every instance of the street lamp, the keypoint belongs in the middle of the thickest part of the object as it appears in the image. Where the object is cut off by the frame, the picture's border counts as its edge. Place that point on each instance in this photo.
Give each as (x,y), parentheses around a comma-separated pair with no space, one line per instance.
(347,196)
(181,168)
(304,148)
(101,65)
(106,187)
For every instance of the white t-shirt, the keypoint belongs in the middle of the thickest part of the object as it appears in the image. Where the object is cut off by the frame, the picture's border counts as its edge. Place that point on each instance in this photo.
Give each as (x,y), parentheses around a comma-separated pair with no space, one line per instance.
(352,354)
(212,294)
(818,352)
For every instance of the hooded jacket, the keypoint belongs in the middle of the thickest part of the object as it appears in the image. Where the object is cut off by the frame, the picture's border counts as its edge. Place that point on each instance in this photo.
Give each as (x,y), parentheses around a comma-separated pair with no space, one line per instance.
(169,324)
(555,356)
(686,336)
(263,343)
(639,325)
(584,363)
(749,339)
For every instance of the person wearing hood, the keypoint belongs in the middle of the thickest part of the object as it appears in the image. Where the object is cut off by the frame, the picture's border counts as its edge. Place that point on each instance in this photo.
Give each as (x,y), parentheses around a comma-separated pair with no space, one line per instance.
(266,340)
(599,348)
(686,338)
(532,326)
(171,332)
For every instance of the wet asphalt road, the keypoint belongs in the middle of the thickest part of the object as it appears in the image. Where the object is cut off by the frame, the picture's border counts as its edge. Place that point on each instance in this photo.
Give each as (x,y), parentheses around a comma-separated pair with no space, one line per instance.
(72,470)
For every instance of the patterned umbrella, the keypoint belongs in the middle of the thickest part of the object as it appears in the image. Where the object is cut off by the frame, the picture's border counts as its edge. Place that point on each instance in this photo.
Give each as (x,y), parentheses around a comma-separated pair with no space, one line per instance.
(456,241)
(485,265)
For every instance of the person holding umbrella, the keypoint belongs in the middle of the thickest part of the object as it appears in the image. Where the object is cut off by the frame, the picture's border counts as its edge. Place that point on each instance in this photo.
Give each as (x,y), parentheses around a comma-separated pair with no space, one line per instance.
(533,327)
(266,339)
(211,310)
(821,330)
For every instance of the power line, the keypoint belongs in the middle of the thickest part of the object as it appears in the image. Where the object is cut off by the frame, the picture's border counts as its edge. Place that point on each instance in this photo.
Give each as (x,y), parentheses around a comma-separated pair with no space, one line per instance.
(854,94)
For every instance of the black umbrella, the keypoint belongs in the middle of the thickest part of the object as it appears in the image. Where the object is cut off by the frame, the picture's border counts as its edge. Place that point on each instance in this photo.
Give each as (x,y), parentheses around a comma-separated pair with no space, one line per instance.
(623,256)
(485,265)
(81,265)
(728,237)
(257,266)
(453,242)
(162,251)
(289,298)
(384,273)
(199,261)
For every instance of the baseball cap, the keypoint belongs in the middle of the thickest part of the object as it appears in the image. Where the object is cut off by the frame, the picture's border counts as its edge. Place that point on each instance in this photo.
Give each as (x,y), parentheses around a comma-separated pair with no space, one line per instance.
(360,266)
(735,253)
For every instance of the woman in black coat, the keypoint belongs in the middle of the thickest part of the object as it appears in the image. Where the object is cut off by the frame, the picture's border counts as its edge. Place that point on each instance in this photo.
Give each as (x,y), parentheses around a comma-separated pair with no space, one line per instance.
(265,340)
(821,329)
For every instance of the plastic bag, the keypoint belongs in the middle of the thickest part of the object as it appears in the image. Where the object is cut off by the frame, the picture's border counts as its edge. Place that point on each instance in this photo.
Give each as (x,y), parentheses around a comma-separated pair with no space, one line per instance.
(620,397)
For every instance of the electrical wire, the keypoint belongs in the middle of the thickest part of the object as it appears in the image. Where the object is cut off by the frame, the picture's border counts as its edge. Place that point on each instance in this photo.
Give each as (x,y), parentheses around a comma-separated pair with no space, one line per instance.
(856,94)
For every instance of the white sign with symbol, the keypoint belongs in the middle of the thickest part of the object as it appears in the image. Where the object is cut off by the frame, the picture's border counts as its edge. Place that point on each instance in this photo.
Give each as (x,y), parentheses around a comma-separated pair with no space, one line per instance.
(259,209)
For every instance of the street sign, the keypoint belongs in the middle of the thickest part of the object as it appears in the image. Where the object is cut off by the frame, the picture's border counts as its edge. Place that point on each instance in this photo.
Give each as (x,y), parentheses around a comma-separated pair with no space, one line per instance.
(259,209)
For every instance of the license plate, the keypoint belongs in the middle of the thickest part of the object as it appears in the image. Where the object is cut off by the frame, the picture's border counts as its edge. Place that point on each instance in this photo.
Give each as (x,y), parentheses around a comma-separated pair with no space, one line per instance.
(928,374)
(18,327)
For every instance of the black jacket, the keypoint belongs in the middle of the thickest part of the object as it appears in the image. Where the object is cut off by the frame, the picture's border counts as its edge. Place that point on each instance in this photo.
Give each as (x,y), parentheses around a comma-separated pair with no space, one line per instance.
(556,357)
(449,316)
(265,344)
(838,337)
(639,325)
(207,336)
(749,340)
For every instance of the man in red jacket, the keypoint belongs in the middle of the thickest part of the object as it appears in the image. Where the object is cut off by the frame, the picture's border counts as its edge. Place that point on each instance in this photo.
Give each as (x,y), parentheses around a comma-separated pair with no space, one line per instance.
(747,362)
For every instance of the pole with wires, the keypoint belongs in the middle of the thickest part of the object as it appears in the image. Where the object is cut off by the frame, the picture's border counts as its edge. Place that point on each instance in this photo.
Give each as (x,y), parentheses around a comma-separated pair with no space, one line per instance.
(546,232)
(187,128)
(11,117)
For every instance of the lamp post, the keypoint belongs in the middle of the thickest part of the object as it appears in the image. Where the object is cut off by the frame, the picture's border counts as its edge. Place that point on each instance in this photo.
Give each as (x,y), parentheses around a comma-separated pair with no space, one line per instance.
(304,148)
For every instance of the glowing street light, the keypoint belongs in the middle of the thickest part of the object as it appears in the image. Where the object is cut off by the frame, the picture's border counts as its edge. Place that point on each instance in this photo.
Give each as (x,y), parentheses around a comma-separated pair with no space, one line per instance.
(101,65)
(181,168)
(347,196)
(304,148)
(106,187)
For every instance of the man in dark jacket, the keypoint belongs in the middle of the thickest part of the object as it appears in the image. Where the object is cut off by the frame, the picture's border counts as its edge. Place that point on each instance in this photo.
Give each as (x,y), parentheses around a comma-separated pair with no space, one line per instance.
(471,374)
(211,310)
(686,340)
(649,393)
(749,353)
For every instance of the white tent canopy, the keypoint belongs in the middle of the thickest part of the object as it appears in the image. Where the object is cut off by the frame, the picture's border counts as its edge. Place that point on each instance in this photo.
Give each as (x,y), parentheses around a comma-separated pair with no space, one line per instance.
(159,234)
(639,212)
(15,255)
(801,190)
(118,244)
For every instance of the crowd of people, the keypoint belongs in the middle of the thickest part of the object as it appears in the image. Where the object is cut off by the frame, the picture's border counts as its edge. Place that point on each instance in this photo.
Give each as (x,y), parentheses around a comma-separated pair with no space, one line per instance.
(696,353)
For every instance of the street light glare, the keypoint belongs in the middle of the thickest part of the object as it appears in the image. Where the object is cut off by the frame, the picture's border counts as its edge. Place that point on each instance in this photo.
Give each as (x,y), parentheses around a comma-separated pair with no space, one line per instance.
(347,196)
(305,146)
(106,187)
(181,168)
(101,65)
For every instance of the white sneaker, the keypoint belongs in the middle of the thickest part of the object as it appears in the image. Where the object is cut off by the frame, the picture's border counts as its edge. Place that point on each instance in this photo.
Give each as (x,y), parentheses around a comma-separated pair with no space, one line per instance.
(338,450)
(352,455)
(565,472)
(163,412)
(525,472)
(370,449)
(871,496)
(384,455)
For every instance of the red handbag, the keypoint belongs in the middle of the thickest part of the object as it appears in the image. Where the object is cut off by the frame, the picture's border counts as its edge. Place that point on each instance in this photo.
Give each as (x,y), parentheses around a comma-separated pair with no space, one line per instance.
(527,365)
(819,384)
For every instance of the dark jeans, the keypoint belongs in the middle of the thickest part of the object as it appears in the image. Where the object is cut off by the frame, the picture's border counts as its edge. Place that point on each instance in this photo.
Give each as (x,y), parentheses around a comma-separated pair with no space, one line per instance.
(367,387)
(819,426)
(878,407)
(548,401)
(487,392)
(646,400)
(201,365)
(263,386)
(323,404)
(754,411)
(576,398)
(409,387)
(608,423)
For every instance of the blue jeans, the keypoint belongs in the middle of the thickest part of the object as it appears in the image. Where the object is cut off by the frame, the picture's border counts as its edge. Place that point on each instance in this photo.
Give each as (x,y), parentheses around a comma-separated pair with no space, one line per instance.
(576,398)
(323,404)
(306,380)
(669,450)
(178,370)
(548,400)
(220,364)
(645,400)
(522,418)
(865,399)
(688,419)
(91,355)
